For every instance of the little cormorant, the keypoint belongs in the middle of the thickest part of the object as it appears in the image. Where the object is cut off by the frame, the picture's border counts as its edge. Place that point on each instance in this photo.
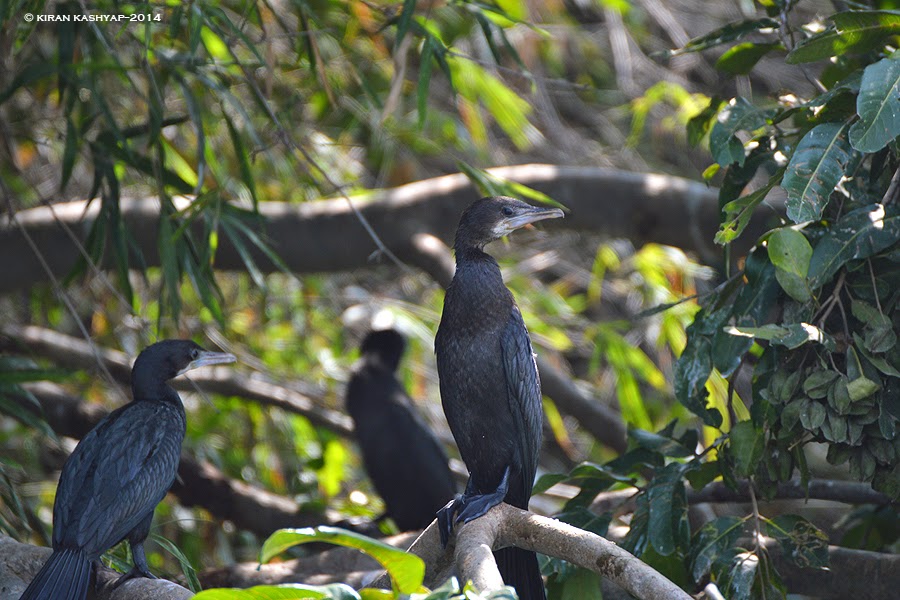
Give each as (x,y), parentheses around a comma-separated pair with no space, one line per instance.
(489,382)
(118,473)
(405,462)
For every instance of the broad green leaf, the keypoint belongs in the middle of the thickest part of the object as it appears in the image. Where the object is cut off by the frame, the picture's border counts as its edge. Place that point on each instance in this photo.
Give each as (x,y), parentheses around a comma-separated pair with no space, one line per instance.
(813,415)
(738,115)
(803,543)
(792,336)
(747,446)
(853,32)
(715,540)
(728,33)
(740,59)
(406,570)
(790,251)
(816,167)
(878,105)
(857,235)
(292,591)
(665,495)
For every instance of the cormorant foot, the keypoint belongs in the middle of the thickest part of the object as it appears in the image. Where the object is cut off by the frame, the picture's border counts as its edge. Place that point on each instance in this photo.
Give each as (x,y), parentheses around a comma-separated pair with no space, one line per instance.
(476,505)
(445,518)
(133,573)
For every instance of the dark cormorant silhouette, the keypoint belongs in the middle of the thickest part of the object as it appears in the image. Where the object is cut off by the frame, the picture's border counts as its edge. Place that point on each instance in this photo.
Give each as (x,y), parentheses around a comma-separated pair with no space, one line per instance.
(405,462)
(118,473)
(489,382)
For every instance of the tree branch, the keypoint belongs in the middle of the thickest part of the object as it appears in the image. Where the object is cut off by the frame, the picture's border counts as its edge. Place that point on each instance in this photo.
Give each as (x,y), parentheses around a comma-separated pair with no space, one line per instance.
(325,235)
(19,563)
(75,353)
(848,492)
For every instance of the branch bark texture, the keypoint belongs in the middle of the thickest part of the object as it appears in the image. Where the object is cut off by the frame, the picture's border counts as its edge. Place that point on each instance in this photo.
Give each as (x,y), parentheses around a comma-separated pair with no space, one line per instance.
(19,563)
(326,236)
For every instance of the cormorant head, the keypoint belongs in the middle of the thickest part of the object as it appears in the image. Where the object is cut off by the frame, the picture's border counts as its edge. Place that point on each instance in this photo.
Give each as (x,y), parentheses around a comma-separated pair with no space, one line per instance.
(386,346)
(491,218)
(170,358)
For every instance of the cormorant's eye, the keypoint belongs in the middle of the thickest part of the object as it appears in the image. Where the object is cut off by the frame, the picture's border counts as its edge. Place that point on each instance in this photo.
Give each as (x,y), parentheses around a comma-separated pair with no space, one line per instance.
(507,211)
(194,353)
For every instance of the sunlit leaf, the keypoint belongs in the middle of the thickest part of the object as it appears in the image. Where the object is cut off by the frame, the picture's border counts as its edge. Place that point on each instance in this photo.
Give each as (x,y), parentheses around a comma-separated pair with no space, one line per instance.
(816,167)
(406,570)
(878,105)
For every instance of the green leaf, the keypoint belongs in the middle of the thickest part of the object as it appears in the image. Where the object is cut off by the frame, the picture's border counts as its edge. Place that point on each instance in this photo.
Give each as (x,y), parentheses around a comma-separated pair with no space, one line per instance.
(747,446)
(740,59)
(667,508)
(738,212)
(406,570)
(294,591)
(803,543)
(715,540)
(738,115)
(790,251)
(878,105)
(853,32)
(813,416)
(728,33)
(190,573)
(792,336)
(700,124)
(424,79)
(409,7)
(857,235)
(816,167)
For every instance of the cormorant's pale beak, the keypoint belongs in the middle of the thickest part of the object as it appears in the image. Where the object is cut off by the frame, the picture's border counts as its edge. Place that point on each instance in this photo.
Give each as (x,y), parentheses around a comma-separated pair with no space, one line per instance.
(526,217)
(205,358)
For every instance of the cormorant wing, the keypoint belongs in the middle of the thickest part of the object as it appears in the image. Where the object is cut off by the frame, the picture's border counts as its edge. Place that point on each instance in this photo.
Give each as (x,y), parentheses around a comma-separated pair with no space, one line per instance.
(524,393)
(117,475)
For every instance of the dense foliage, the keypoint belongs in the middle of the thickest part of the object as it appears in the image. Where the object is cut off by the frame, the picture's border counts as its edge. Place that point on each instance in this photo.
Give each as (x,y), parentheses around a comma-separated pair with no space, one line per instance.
(231,104)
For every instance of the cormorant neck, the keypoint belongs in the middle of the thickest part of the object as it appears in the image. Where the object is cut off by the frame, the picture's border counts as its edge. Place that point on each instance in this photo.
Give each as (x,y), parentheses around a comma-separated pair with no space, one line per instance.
(152,389)
(472,252)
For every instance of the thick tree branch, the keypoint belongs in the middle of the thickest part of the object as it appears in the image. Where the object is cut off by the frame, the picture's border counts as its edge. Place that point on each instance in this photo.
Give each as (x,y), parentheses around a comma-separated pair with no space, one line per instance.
(847,492)
(199,484)
(74,353)
(326,236)
(505,525)
(19,563)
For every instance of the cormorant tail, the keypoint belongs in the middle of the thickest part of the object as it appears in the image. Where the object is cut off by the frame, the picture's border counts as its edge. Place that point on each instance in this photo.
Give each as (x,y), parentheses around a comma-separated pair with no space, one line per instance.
(520,569)
(65,576)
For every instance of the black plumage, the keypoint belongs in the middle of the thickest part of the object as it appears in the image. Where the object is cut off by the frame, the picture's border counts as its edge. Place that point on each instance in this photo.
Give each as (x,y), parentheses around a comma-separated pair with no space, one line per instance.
(118,473)
(489,381)
(403,459)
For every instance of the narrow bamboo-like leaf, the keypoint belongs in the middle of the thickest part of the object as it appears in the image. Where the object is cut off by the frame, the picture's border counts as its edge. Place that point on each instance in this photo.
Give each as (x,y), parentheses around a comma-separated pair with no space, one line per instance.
(406,570)
(728,33)
(878,105)
(816,167)
(409,7)
(424,80)
(243,159)
(190,573)
(70,152)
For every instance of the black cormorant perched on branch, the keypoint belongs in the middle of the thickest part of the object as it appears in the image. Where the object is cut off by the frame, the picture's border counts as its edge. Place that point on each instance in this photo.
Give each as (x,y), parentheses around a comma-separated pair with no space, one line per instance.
(489,381)
(405,462)
(118,473)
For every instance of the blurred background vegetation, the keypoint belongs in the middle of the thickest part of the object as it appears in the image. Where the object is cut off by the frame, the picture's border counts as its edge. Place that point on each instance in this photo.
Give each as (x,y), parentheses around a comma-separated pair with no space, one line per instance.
(236,104)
